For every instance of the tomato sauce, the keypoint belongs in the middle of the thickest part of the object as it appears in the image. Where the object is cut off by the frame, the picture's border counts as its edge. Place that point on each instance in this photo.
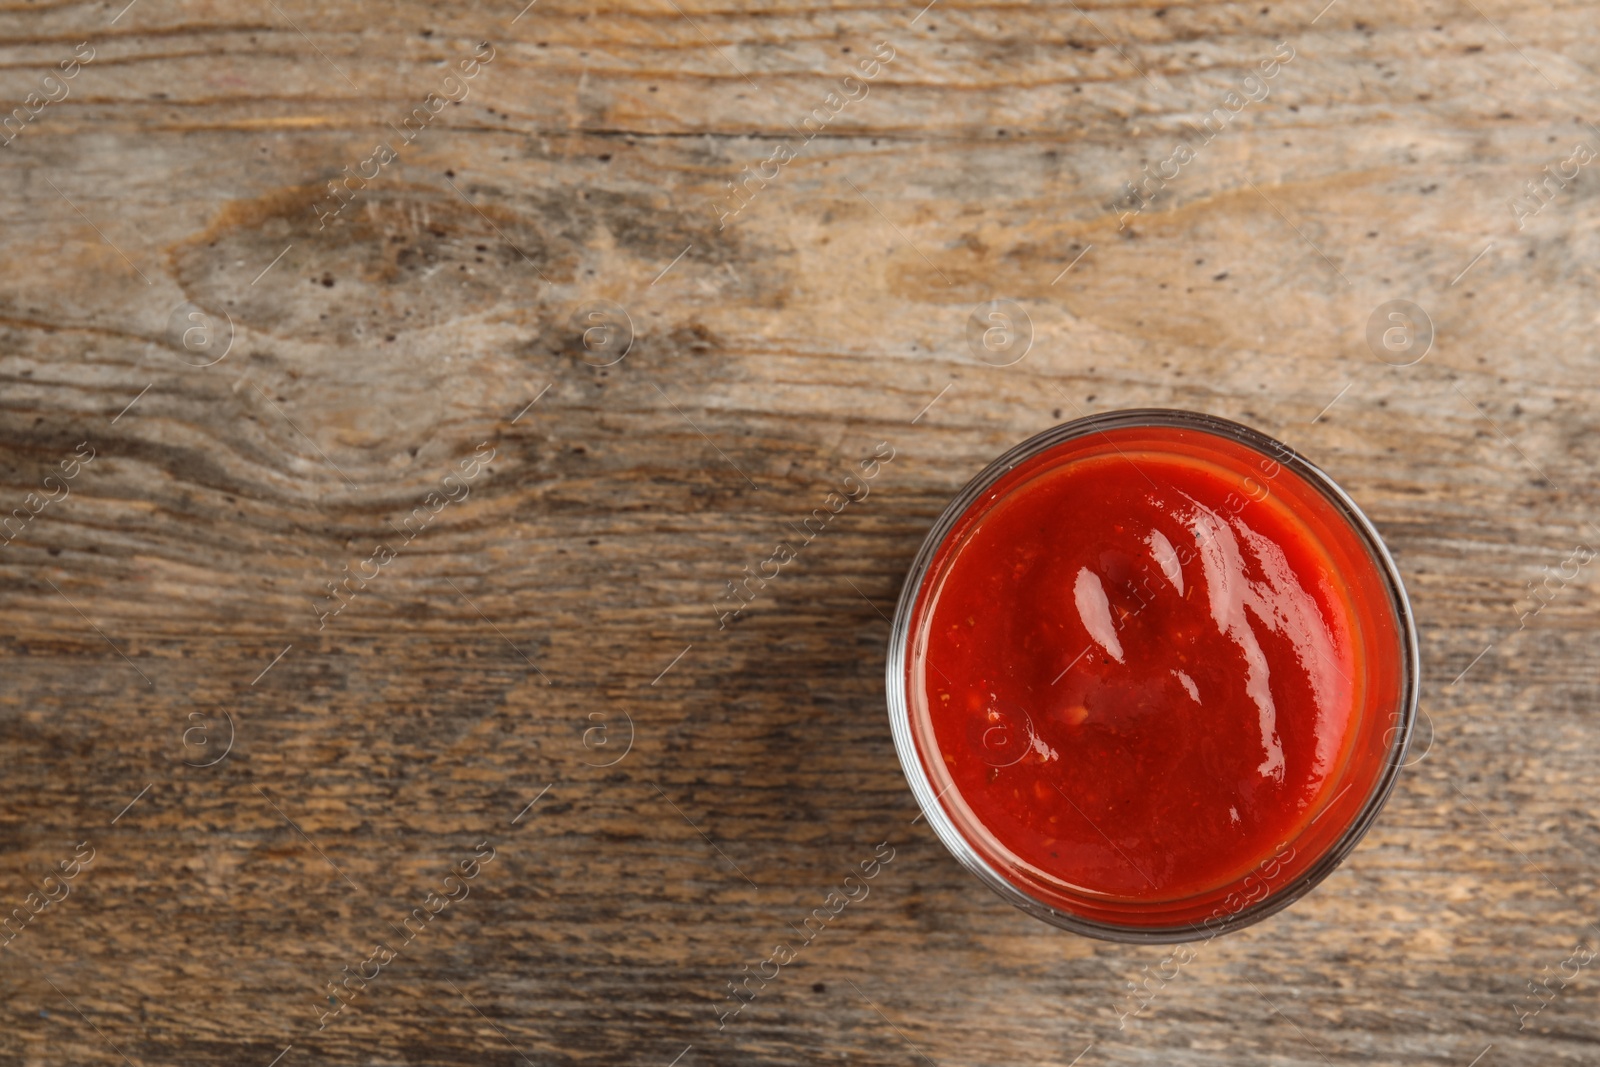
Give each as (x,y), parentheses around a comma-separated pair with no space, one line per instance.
(1145,660)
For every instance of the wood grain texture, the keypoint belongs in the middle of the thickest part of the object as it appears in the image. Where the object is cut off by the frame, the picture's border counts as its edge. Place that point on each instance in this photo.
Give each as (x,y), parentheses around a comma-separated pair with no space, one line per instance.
(507,644)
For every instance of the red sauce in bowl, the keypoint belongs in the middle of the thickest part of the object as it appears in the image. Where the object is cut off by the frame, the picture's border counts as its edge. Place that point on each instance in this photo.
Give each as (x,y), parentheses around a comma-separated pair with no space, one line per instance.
(1150,666)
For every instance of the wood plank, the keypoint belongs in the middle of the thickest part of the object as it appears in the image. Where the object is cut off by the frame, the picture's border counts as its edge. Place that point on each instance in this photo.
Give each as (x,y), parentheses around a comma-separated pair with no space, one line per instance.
(575,580)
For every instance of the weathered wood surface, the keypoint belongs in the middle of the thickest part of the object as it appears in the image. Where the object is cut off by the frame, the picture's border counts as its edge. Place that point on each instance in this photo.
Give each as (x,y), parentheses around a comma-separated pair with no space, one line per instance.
(498,649)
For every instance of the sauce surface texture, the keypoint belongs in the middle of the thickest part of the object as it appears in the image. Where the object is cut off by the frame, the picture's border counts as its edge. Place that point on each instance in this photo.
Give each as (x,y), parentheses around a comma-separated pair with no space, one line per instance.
(1138,667)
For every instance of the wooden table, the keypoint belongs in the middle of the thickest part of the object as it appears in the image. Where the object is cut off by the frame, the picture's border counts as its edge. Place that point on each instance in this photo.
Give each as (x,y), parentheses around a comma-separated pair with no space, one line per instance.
(284,384)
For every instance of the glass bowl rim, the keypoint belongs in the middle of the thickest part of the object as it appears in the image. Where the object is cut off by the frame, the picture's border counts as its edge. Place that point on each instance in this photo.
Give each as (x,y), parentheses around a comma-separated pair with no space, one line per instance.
(900,710)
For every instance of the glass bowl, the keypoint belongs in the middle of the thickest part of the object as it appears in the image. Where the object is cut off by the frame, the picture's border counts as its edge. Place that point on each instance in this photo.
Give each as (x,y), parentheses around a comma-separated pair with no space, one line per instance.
(1376,736)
